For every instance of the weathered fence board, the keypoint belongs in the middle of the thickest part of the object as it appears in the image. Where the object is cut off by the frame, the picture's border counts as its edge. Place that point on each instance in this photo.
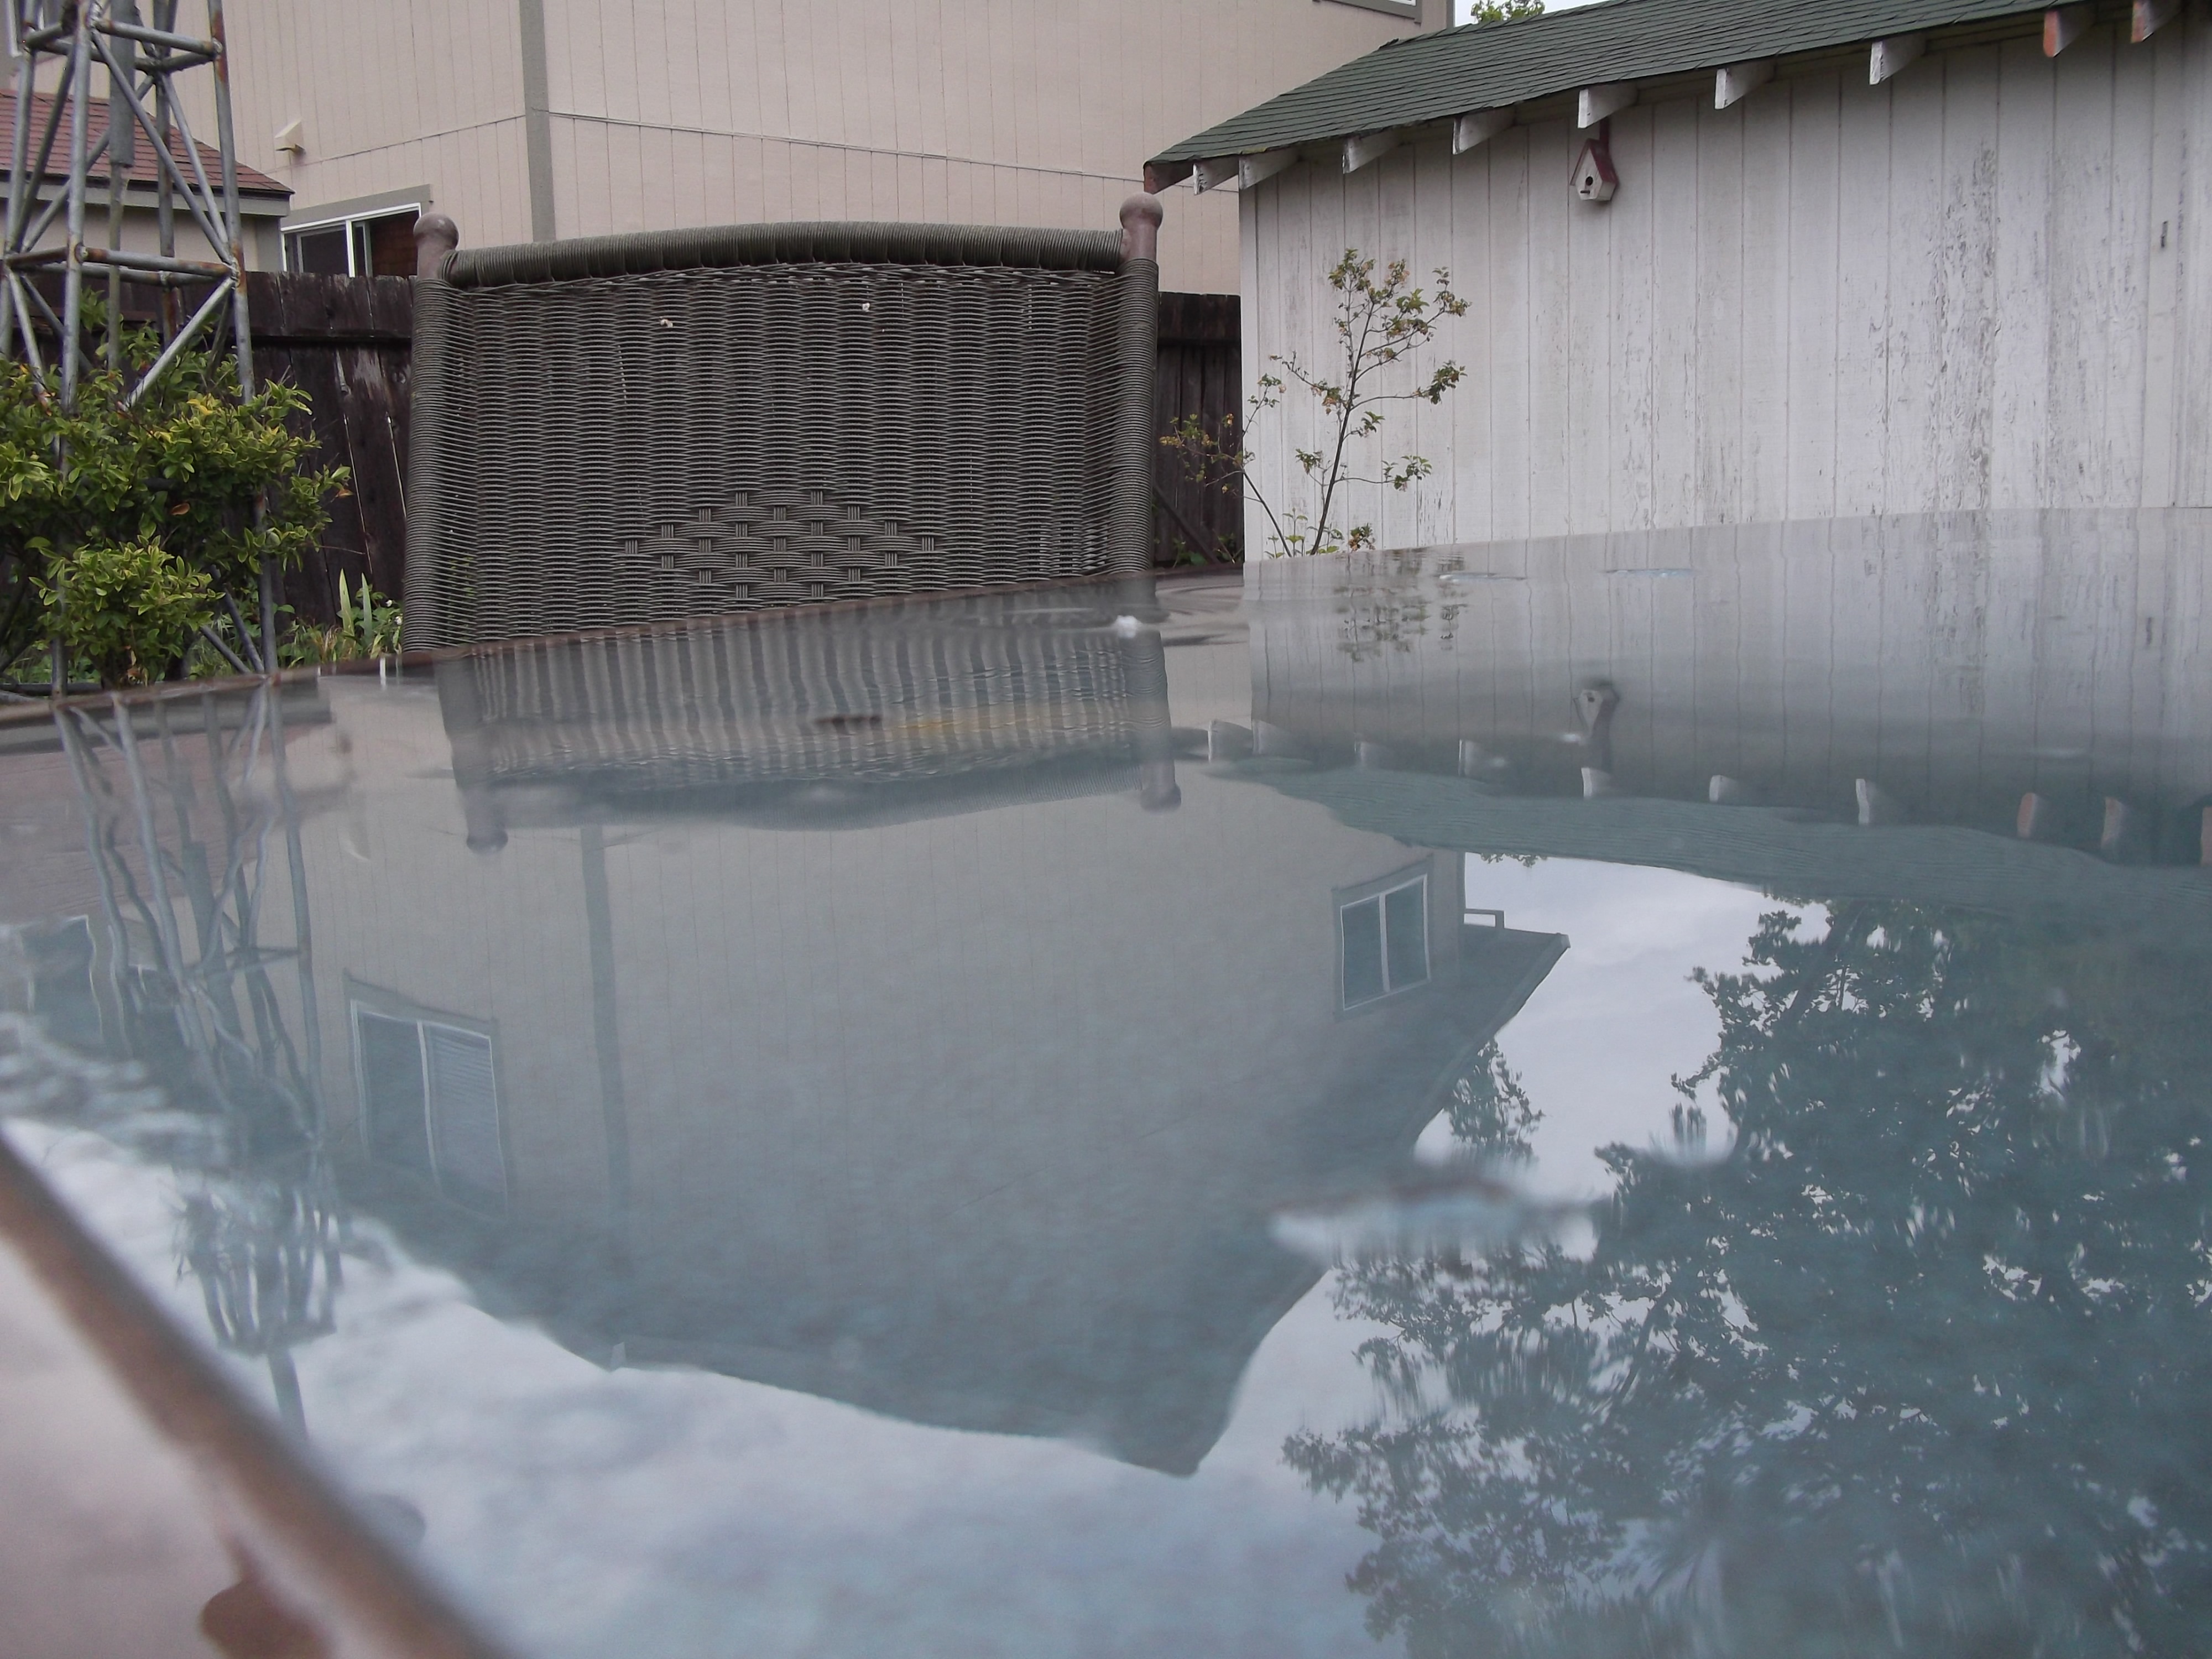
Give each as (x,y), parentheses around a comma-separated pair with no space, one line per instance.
(1200,373)
(345,342)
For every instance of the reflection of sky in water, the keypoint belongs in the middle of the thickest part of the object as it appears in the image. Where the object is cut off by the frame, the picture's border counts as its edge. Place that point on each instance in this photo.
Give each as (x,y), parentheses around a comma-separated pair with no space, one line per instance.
(643,1509)
(934,1177)
(647,1511)
(1597,1045)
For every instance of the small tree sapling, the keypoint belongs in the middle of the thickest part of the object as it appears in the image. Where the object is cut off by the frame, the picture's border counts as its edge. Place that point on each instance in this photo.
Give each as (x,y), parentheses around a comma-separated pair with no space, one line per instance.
(1380,321)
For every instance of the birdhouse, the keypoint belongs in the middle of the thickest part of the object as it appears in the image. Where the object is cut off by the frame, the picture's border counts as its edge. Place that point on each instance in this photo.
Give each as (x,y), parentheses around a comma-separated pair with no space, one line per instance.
(1593,179)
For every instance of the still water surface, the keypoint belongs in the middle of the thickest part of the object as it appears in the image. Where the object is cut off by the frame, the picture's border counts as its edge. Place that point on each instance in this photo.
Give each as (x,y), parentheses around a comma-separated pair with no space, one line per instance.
(1639,1096)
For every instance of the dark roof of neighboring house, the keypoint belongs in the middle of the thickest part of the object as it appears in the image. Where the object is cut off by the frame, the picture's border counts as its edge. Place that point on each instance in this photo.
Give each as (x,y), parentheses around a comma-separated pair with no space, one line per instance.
(143,170)
(1430,78)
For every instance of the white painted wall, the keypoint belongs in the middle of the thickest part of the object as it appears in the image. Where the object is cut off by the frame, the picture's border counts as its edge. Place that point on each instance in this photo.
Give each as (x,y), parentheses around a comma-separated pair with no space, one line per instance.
(1986,283)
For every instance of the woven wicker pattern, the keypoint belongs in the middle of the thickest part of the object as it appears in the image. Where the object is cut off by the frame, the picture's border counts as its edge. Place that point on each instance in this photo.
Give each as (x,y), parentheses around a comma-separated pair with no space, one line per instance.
(597,450)
(791,699)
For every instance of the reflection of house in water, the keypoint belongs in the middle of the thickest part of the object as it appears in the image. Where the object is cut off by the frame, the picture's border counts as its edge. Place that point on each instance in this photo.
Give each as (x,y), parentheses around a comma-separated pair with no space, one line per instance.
(1739,702)
(970,1105)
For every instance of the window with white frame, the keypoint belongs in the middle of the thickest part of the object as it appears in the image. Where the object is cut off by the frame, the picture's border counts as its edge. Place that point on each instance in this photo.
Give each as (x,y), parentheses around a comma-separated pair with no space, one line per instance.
(429,1098)
(379,244)
(1383,938)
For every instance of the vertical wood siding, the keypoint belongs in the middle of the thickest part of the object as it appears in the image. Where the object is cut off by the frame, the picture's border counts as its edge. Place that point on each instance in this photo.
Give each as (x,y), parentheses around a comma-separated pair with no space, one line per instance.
(1986,283)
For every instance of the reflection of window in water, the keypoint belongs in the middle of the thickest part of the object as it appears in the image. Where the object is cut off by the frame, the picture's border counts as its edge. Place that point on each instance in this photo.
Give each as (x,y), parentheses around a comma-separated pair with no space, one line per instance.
(57,982)
(1383,938)
(430,1103)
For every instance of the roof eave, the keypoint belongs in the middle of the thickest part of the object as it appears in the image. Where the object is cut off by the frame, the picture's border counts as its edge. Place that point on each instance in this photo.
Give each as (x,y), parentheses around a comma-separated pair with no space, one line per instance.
(1544,100)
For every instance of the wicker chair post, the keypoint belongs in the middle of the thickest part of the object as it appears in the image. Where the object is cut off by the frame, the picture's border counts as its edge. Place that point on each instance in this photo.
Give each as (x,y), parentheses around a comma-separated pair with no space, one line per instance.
(423,583)
(461,703)
(435,236)
(1152,737)
(1129,550)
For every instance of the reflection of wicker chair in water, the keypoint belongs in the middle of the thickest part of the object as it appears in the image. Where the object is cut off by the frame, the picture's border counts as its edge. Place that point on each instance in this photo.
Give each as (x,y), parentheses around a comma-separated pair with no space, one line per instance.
(812,717)
(635,428)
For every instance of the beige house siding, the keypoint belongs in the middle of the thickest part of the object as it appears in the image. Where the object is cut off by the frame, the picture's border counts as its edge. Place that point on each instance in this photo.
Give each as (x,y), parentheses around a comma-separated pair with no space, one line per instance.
(403,95)
(706,112)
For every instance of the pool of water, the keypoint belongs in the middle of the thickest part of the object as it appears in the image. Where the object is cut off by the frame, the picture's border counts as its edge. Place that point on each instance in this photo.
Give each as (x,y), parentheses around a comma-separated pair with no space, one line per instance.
(1641,1095)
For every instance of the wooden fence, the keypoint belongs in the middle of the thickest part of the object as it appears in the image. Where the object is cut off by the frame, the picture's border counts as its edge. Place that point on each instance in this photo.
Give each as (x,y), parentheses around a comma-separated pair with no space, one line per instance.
(1201,375)
(346,340)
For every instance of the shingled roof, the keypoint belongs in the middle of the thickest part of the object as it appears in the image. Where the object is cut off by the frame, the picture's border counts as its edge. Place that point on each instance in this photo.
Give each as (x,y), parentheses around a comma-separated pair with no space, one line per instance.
(144,169)
(1431,77)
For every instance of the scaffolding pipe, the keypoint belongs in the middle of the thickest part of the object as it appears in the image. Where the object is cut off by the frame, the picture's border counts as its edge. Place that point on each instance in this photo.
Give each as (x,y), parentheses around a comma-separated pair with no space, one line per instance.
(73,271)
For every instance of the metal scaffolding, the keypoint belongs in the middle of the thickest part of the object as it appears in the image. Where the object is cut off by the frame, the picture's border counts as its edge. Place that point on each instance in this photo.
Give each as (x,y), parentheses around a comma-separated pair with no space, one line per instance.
(139,65)
(76,42)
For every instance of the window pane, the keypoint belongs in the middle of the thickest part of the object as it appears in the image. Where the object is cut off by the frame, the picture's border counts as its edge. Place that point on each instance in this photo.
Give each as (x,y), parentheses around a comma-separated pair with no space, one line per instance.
(391,1090)
(392,245)
(464,1116)
(359,232)
(1407,917)
(1362,925)
(322,252)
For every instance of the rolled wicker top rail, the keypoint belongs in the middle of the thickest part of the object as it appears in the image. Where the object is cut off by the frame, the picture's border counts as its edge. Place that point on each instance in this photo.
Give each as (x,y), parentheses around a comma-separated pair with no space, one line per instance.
(839,243)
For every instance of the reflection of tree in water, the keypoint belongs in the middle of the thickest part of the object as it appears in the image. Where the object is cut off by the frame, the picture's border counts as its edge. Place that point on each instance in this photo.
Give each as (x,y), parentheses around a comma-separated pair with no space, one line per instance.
(1919,1366)
(180,975)
(1382,606)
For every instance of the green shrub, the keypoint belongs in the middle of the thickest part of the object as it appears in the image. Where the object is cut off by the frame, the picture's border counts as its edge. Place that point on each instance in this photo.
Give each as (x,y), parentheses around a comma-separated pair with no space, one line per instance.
(127,610)
(216,481)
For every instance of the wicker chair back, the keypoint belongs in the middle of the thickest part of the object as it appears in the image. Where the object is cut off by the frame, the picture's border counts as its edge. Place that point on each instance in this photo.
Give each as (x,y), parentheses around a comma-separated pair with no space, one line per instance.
(633,430)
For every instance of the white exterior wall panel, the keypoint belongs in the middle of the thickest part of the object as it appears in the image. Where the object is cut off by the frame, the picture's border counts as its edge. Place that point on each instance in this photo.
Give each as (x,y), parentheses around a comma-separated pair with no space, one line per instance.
(1984,283)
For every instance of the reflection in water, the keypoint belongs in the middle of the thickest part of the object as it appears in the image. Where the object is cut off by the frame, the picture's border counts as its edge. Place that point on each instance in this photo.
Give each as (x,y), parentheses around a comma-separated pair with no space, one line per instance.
(1954,662)
(1918,1366)
(732,1027)
(181,802)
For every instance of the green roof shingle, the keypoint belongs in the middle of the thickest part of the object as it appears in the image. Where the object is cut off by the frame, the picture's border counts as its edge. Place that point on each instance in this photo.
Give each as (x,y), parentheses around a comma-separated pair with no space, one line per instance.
(1428,77)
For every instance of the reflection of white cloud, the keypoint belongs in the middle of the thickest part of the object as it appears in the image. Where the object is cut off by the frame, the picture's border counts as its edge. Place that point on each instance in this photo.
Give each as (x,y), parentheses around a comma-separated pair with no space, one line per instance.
(1618,1019)
(680,1513)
